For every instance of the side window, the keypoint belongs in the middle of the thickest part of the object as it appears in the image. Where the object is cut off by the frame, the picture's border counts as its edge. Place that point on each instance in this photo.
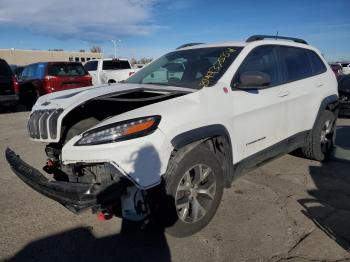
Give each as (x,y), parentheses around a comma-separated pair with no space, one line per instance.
(39,71)
(296,63)
(76,59)
(91,66)
(316,62)
(261,59)
(29,72)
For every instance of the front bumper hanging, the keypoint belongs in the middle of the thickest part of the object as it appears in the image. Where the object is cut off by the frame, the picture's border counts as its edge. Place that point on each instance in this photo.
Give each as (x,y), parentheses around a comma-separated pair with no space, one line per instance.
(74,196)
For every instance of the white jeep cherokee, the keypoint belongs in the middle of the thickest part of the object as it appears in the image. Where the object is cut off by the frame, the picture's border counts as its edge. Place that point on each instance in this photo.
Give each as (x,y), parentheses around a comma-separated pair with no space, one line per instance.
(166,142)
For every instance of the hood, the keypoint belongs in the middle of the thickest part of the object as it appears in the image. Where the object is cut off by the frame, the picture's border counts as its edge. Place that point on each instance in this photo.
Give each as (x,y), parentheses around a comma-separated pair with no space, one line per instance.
(74,97)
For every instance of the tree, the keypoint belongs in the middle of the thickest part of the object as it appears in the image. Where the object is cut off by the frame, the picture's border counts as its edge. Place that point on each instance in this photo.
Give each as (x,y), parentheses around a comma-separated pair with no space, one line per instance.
(82,50)
(133,61)
(96,49)
(145,60)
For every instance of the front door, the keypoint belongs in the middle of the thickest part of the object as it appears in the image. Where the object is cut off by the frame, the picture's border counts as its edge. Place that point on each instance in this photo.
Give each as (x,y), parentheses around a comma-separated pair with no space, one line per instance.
(259,115)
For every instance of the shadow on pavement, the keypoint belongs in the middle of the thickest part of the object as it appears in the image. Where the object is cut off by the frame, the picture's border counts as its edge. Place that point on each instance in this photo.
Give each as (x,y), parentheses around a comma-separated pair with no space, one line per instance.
(329,207)
(131,244)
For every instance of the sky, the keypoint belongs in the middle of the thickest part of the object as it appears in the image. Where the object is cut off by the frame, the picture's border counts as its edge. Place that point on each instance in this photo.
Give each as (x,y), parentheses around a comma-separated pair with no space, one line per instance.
(149,28)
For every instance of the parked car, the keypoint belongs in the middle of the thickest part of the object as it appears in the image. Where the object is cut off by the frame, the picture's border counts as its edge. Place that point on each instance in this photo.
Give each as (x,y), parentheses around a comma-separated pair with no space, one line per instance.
(165,149)
(107,71)
(17,70)
(9,88)
(43,78)
(337,69)
(344,95)
(346,67)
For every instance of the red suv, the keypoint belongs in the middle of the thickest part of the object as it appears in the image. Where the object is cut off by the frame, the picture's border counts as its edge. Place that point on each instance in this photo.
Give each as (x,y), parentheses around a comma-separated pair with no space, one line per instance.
(8,85)
(43,78)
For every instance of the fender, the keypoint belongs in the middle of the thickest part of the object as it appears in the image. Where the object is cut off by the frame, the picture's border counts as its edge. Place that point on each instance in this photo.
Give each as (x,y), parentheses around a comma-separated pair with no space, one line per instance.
(330,103)
(221,143)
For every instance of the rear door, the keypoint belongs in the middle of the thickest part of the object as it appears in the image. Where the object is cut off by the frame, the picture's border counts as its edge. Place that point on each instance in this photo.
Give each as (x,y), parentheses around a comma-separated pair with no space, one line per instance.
(62,76)
(259,114)
(6,79)
(302,88)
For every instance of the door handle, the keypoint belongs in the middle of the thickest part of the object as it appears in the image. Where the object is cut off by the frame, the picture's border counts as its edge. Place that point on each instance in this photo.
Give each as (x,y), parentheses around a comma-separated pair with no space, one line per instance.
(283,94)
(319,84)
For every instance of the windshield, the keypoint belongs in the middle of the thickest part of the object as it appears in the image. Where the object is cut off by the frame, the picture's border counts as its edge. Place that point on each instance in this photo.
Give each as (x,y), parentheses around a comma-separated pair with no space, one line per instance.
(193,68)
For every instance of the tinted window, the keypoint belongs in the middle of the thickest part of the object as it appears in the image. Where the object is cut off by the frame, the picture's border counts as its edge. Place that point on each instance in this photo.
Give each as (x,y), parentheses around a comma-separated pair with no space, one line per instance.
(261,59)
(5,69)
(66,70)
(34,71)
(115,64)
(297,63)
(91,66)
(317,64)
(82,59)
(76,59)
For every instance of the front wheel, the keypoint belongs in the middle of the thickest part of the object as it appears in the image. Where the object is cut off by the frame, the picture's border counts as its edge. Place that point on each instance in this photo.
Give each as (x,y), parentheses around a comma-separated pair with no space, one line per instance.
(194,190)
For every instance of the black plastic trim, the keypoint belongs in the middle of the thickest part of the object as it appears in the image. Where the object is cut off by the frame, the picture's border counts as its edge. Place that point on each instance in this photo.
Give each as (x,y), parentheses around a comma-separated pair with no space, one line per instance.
(328,103)
(187,45)
(268,154)
(197,134)
(276,37)
(74,196)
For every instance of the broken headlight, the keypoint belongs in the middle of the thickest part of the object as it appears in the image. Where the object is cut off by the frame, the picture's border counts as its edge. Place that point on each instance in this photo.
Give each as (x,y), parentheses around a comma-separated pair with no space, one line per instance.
(120,131)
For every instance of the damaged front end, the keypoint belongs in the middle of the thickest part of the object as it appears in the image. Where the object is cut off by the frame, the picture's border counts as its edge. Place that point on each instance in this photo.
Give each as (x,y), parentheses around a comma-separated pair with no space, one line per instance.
(75,195)
(100,187)
(94,160)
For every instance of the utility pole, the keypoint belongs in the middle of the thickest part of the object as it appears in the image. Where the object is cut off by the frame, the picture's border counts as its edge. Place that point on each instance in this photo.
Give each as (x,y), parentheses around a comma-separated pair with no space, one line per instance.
(115,46)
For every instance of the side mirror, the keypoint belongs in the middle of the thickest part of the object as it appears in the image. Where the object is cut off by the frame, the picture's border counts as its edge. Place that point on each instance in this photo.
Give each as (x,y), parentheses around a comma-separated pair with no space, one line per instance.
(254,79)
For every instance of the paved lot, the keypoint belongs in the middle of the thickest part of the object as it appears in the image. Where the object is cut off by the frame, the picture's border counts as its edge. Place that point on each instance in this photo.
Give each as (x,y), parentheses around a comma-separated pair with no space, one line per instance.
(291,209)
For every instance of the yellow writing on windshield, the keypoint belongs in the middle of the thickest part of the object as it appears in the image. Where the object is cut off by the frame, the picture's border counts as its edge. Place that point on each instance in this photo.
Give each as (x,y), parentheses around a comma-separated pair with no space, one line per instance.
(216,67)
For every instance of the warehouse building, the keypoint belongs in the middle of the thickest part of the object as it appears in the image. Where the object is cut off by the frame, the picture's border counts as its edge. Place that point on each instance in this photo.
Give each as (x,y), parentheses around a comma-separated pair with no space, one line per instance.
(25,57)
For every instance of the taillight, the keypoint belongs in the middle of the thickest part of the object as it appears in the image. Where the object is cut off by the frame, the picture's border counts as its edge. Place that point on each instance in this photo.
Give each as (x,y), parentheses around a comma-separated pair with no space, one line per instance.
(15,85)
(50,83)
(131,73)
(88,80)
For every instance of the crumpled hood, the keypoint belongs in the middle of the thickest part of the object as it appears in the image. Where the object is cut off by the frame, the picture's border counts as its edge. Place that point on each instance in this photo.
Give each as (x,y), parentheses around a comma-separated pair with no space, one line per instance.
(74,97)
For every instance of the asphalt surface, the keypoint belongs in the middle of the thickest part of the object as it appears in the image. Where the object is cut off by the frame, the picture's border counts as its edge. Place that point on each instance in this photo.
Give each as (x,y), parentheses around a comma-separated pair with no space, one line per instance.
(291,209)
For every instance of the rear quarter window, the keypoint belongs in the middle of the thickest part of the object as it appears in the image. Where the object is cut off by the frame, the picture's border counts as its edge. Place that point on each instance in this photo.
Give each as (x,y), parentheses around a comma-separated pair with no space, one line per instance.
(317,64)
(296,63)
(5,69)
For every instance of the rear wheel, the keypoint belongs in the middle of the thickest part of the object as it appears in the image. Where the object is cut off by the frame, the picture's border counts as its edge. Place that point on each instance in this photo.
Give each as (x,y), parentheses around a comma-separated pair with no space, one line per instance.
(320,141)
(193,192)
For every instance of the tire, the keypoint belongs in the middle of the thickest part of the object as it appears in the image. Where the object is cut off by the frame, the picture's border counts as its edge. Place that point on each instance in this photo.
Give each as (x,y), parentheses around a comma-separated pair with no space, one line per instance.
(196,183)
(319,143)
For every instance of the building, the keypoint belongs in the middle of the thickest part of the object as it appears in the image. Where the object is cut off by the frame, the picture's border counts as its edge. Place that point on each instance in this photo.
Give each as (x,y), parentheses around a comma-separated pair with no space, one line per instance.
(25,57)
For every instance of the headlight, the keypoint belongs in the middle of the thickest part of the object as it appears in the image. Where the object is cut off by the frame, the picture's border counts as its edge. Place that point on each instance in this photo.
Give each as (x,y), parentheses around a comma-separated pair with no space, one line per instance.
(120,131)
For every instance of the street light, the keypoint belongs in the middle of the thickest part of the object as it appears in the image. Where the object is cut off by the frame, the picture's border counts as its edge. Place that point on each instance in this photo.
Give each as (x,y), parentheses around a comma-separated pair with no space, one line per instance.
(115,46)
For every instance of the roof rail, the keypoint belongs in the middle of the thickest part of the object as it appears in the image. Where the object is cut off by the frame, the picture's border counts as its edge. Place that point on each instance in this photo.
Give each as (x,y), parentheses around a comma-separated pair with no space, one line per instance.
(187,45)
(261,37)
